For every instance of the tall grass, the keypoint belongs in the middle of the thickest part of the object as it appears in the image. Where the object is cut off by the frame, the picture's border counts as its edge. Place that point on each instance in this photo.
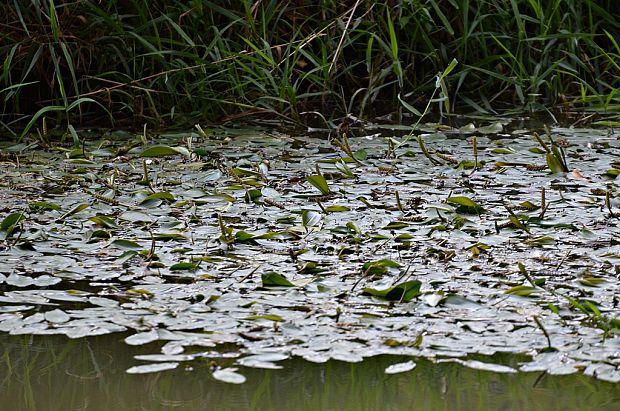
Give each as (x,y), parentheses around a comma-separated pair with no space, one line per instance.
(176,62)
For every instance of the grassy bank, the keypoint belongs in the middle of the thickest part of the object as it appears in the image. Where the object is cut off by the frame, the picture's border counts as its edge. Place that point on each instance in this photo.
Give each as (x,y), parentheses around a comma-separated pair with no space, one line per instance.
(177,62)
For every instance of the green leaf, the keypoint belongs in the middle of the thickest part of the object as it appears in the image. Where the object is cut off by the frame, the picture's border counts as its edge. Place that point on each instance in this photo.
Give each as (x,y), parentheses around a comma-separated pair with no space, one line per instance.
(396,225)
(503,150)
(156,199)
(523,290)
(611,173)
(539,241)
(270,317)
(126,244)
(11,220)
(104,221)
(381,263)
(320,183)
(242,236)
(73,211)
(126,256)
(465,205)
(408,106)
(528,205)
(337,209)
(43,205)
(554,164)
(168,236)
(310,218)
(184,267)
(404,292)
(273,279)
(517,223)
(360,154)
(163,151)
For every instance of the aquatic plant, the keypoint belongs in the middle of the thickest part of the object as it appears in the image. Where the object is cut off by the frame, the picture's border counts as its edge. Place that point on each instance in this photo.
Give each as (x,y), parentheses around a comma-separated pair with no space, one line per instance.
(175,62)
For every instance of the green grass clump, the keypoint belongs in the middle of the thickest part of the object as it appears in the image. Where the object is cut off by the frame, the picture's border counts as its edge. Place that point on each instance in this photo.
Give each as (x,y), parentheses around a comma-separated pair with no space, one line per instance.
(177,62)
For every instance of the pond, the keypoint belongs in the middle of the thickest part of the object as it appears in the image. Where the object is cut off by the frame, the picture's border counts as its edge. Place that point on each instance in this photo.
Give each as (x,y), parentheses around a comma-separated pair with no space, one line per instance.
(53,373)
(255,249)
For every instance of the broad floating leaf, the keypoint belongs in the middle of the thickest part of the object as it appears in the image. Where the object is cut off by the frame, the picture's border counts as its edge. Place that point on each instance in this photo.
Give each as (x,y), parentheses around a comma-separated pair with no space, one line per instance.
(43,205)
(11,221)
(229,375)
(404,292)
(163,151)
(270,317)
(523,290)
(156,199)
(310,218)
(73,211)
(57,316)
(149,368)
(539,241)
(273,279)
(360,154)
(184,267)
(379,267)
(465,205)
(142,338)
(400,367)
(336,209)
(126,244)
(104,221)
(320,183)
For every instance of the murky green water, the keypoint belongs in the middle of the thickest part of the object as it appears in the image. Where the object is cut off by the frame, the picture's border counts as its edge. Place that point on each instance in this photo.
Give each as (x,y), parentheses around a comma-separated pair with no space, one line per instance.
(55,373)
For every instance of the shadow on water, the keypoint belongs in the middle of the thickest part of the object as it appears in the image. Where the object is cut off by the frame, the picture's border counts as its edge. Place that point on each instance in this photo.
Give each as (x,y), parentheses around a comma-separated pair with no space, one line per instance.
(55,373)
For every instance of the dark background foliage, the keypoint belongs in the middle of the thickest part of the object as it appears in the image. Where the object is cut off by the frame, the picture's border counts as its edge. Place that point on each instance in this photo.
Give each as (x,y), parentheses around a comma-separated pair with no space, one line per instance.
(176,62)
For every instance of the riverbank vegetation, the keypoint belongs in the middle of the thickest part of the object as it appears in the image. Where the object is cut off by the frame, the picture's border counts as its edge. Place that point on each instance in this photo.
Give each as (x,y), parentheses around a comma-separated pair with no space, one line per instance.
(174,63)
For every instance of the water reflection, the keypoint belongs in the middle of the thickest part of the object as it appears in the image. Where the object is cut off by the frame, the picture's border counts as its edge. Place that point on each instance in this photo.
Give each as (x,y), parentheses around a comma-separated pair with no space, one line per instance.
(55,373)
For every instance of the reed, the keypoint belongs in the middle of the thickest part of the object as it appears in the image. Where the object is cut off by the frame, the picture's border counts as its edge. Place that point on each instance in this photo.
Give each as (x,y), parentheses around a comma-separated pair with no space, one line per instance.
(178,62)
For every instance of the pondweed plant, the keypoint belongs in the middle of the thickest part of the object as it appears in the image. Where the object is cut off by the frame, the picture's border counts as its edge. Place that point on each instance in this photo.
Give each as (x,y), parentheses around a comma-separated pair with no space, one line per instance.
(181,62)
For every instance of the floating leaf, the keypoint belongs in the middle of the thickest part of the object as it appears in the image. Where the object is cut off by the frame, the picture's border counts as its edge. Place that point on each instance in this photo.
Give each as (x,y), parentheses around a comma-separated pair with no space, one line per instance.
(592,281)
(149,368)
(126,244)
(528,205)
(142,338)
(485,366)
(270,317)
(465,205)
(310,218)
(11,221)
(104,221)
(57,316)
(336,209)
(273,279)
(74,210)
(539,241)
(126,256)
(43,205)
(156,199)
(360,154)
(184,267)
(404,292)
(229,375)
(400,367)
(379,267)
(320,183)
(163,151)
(523,290)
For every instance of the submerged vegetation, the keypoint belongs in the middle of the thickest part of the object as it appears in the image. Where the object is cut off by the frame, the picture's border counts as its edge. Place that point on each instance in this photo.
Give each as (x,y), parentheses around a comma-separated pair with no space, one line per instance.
(179,62)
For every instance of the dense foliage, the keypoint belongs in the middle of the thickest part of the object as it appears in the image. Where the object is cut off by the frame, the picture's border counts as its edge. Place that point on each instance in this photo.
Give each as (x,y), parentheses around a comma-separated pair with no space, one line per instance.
(171,62)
